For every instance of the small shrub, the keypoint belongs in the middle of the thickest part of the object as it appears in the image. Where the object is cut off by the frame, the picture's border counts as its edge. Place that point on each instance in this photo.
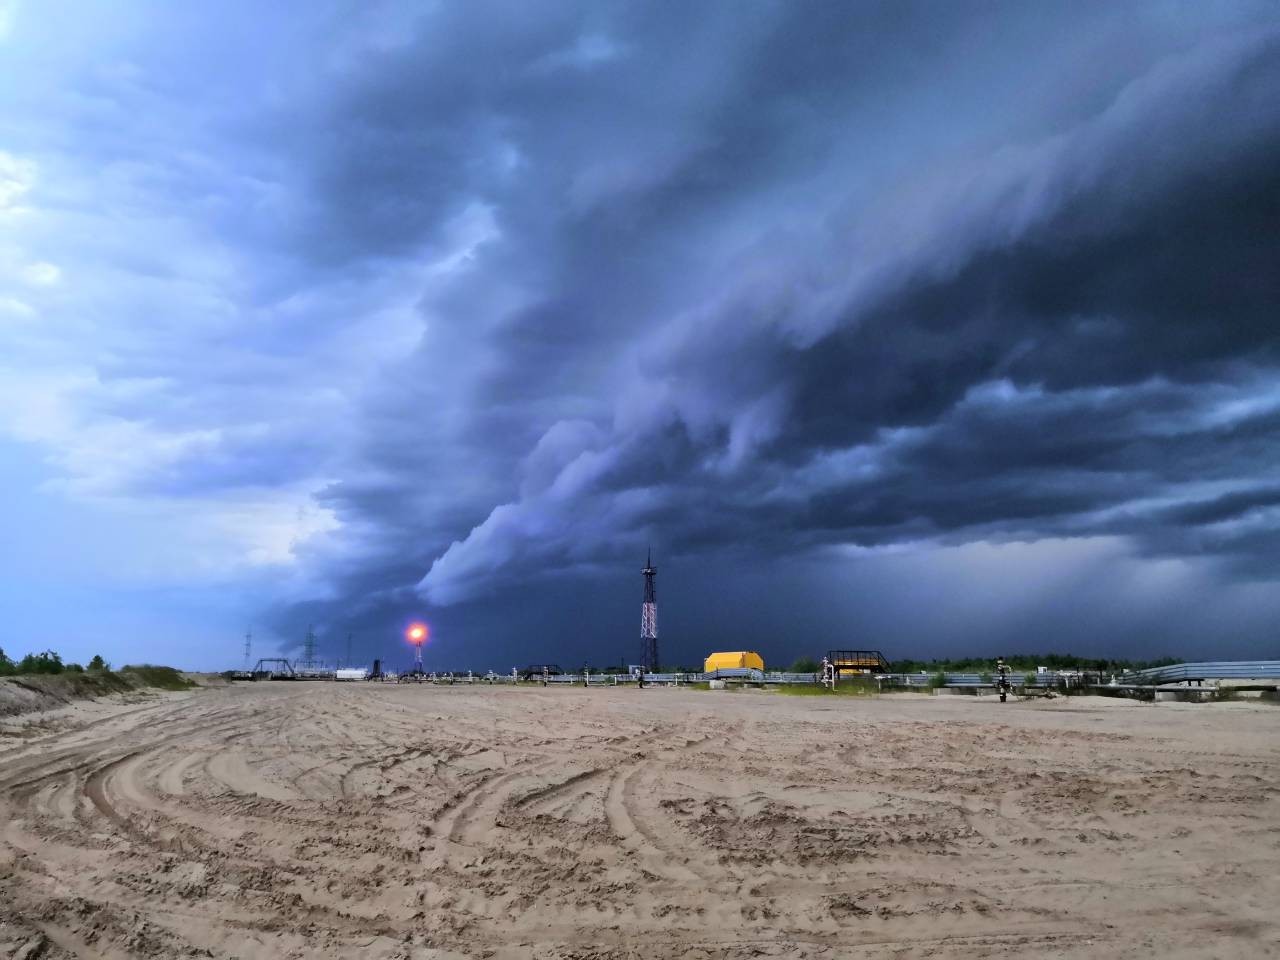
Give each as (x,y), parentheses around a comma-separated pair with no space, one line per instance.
(162,678)
(938,680)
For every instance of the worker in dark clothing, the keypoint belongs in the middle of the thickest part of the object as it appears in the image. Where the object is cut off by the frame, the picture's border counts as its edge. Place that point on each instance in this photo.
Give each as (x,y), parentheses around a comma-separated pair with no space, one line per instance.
(1003,686)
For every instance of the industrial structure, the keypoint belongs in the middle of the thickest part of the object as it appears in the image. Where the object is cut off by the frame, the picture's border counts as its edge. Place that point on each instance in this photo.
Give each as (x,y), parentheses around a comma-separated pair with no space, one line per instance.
(417,635)
(309,665)
(649,618)
(540,670)
(857,661)
(273,668)
(736,660)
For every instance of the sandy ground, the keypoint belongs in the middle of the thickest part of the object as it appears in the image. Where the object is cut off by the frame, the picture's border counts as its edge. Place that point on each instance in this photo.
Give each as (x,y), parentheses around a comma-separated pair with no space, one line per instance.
(277,820)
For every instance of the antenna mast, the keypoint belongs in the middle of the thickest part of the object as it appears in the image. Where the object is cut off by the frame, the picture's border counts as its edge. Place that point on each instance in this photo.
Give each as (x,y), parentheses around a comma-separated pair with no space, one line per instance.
(649,618)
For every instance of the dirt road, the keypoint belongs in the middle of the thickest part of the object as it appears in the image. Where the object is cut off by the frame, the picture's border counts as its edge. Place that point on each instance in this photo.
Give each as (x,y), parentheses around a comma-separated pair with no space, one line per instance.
(291,820)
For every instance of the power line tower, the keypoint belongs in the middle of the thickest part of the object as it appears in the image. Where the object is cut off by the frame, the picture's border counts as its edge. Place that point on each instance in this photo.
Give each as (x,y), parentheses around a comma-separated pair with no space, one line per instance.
(649,619)
(248,646)
(309,665)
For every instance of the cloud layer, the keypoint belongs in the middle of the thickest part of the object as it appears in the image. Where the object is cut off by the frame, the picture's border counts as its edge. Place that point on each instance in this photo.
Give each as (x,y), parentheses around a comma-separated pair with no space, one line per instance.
(460,310)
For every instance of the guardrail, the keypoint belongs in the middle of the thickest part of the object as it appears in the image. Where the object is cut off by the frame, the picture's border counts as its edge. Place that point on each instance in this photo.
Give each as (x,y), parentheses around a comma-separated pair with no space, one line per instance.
(1207,670)
(745,674)
(751,675)
(1176,673)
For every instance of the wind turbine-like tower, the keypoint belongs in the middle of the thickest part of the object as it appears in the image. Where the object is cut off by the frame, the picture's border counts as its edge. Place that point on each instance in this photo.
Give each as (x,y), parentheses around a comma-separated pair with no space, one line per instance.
(649,619)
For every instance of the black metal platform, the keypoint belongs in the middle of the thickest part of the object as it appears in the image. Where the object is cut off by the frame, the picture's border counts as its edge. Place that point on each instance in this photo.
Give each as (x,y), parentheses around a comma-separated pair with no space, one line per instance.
(858,661)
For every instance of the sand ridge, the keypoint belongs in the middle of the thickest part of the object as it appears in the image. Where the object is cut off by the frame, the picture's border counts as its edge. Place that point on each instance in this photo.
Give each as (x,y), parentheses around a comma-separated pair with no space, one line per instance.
(291,820)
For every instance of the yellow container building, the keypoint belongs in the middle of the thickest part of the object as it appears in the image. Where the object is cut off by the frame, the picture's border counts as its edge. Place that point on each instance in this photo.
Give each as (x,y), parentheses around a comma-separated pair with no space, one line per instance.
(736,660)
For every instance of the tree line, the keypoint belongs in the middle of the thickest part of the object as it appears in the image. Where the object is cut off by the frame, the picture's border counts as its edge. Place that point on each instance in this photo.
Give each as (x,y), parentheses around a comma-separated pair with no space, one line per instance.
(47,662)
(1028,662)
(1018,662)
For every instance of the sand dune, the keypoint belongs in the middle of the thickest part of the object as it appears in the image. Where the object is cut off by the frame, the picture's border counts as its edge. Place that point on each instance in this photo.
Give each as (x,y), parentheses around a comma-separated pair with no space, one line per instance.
(278,820)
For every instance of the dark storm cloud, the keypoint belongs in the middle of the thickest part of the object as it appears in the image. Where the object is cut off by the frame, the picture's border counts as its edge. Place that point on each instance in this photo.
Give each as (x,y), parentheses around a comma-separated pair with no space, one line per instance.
(1093,258)
(510,292)
(783,280)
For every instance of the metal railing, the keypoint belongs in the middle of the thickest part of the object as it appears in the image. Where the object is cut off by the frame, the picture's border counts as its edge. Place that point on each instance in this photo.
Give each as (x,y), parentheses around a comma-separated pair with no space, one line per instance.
(1176,673)
(1207,670)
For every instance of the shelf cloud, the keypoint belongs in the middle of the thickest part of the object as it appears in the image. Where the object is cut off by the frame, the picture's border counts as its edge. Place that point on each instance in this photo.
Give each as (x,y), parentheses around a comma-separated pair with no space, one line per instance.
(827,304)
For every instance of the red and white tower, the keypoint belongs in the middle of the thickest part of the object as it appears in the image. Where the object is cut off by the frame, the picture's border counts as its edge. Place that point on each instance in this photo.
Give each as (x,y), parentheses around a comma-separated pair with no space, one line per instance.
(649,619)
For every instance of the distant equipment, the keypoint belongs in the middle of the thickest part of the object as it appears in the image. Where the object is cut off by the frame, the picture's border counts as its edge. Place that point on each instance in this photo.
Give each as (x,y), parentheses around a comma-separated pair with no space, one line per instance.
(857,661)
(417,635)
(351,673)
(274,668)
(736,660)
(649,618)
(309,667)
(539,670)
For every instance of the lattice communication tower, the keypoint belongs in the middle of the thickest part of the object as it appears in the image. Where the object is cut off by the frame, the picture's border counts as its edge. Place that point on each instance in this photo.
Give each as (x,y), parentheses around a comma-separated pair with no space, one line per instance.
(649,619)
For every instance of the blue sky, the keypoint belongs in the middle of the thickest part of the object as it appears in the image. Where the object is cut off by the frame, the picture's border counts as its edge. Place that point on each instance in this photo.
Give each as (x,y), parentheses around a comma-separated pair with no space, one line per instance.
(938,328)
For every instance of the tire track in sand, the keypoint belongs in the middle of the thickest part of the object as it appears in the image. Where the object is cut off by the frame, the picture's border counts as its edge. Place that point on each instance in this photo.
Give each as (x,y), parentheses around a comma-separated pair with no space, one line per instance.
(637,839)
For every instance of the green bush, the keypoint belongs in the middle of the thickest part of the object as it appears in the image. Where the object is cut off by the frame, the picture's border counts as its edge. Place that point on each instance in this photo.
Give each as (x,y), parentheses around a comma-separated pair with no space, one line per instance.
(49,662)
(939,679)
(46,663)
(163,678)
(805,665)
